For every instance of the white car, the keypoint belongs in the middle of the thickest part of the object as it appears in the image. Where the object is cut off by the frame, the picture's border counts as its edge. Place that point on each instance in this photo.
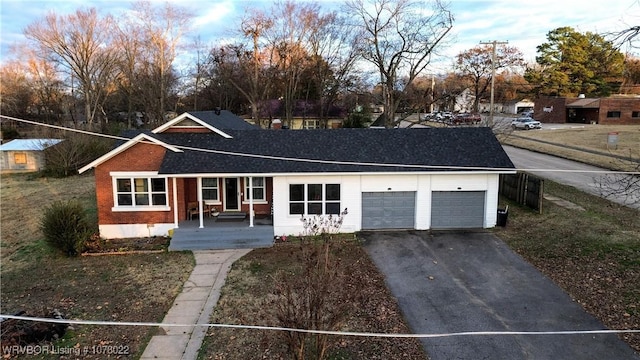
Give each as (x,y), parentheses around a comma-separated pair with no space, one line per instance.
(526,123)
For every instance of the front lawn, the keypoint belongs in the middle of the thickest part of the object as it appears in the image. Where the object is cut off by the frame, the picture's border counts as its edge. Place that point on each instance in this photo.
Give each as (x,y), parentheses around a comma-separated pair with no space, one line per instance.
(247,298)
(37,279)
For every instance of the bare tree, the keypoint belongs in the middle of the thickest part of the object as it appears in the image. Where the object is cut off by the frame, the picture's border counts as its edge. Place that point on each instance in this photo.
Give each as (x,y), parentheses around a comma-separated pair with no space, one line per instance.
(15,93)
(334,52)
(48,88)
(627,36)
(288,38)
(162,30)
(76,151)
(82,44)
(475,65)
(197,73)
(129,44)
(623,187)
(246,65)
(400,38)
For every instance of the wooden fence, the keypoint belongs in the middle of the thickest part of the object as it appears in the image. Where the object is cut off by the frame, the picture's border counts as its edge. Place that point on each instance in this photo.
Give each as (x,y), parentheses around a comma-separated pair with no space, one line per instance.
(523,188)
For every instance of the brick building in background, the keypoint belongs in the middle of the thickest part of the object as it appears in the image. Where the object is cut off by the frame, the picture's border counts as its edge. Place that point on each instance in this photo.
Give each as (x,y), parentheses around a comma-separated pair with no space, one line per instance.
(615,110)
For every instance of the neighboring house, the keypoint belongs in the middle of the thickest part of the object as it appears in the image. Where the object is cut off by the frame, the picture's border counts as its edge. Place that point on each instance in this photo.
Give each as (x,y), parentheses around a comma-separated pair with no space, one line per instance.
(614,110)
(464,101)
(314,123)
(518,106)
(22,155)
(437,178)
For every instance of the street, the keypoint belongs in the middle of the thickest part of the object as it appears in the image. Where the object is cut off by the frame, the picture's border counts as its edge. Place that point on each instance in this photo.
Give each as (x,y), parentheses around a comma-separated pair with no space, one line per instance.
(568,172)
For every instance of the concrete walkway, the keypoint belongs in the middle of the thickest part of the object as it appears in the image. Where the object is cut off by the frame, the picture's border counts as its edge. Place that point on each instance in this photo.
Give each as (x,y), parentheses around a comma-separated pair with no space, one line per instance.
(193,306)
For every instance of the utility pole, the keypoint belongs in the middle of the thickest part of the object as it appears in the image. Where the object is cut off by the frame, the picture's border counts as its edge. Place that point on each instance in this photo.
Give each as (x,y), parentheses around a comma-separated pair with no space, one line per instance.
(493,73)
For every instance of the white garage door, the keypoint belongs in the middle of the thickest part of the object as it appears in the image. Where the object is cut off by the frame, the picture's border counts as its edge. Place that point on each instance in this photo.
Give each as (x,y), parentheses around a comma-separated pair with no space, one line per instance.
(457,209)
(388,210)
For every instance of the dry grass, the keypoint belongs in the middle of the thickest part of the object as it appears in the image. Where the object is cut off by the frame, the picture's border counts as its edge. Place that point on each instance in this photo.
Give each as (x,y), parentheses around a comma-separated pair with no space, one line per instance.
(590,137)
(23,199)
(248,292)
(34,277)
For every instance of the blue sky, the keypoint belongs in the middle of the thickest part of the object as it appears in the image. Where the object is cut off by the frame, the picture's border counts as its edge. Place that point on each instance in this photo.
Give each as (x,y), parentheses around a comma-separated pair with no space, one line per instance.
(524,24)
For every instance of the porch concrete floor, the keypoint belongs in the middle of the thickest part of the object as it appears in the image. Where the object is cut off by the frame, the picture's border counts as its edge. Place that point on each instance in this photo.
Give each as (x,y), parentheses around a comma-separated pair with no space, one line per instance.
(216,235)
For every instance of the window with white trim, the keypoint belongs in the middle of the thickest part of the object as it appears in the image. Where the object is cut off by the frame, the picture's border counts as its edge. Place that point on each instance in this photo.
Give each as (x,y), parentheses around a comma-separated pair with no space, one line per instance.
(314,199)
(311,124)
(210,189)
(259,193)
(136,192)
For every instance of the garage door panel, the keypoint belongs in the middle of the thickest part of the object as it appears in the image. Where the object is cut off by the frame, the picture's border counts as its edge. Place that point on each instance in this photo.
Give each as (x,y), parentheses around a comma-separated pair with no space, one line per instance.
(388,210)
(457,209)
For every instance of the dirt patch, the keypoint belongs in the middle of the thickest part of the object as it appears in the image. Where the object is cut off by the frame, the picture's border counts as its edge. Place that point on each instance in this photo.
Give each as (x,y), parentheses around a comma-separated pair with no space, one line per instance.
(97,245)
(250,284)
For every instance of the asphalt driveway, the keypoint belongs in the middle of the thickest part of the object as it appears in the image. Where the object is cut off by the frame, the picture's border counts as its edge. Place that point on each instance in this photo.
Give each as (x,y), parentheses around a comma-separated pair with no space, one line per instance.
(471,281)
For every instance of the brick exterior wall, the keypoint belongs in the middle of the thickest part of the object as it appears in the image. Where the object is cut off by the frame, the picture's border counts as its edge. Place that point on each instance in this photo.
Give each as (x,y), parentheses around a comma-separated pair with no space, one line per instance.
(554,110)
(139,157)
(261,210)
(551,110)
(626,107)
(148,157)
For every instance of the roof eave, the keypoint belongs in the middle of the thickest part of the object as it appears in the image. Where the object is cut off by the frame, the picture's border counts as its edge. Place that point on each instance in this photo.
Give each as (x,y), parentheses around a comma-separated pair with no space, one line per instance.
(337,173)
(125,146)
(181,117)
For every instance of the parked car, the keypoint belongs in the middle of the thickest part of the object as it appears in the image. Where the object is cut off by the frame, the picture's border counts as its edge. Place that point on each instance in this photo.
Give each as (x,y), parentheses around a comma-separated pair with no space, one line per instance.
(527,113)
(466,119)
(526,123)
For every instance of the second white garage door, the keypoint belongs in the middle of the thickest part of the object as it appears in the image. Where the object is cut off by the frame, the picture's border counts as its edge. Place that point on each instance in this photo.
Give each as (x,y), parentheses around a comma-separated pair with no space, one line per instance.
(388,210)
(457,209)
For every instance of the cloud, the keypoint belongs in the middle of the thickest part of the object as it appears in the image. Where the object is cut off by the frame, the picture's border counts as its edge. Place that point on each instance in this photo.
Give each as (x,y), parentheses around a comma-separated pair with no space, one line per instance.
(216,15)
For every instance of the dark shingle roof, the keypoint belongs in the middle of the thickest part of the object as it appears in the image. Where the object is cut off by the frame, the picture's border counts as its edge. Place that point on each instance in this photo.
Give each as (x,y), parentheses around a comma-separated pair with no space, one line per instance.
(223,120)
(441,148)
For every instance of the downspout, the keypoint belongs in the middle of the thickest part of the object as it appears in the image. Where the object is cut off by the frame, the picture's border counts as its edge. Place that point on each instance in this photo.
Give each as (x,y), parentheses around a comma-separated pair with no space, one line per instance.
(175,203)
(200,209)
(250,201)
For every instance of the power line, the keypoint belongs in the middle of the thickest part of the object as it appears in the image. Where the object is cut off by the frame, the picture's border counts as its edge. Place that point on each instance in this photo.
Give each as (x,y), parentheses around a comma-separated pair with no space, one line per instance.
(320,161)
(323,332)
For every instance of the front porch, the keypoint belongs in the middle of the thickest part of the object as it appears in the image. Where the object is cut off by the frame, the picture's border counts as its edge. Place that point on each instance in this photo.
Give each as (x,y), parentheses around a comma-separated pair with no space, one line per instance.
(218,234)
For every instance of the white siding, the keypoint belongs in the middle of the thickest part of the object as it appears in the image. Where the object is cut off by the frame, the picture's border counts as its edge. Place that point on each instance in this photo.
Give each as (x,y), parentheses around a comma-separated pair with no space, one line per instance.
(352,187)
(123,231)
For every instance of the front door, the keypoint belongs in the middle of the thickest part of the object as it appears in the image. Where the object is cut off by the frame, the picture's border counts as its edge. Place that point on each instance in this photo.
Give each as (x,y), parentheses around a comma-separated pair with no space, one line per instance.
(231,194)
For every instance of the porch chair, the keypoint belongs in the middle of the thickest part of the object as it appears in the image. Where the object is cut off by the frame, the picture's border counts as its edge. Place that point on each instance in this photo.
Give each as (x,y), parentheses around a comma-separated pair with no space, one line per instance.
(192,209)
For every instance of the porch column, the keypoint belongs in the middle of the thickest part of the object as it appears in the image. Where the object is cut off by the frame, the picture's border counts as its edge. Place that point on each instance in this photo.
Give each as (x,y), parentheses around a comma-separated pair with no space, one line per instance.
(250,201)
(175,202)
(200,209)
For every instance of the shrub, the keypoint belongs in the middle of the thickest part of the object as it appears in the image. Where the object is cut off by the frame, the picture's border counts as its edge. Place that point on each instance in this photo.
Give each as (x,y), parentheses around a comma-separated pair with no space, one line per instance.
(66,227)
(314,298)
(64,159)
